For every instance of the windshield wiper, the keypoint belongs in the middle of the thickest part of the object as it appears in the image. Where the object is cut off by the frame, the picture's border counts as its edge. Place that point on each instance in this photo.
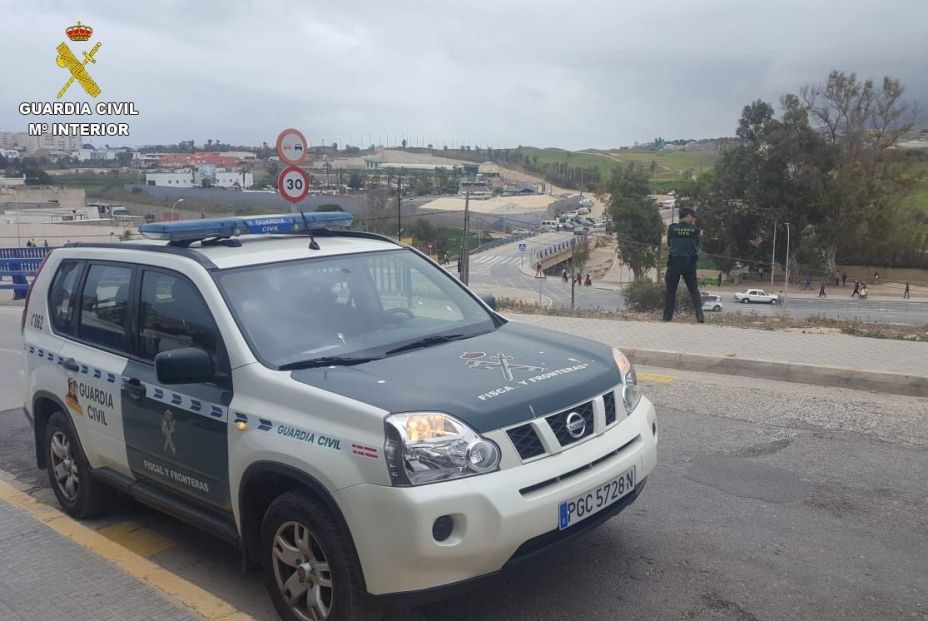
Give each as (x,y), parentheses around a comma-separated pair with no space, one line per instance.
(425,342)
(326,361)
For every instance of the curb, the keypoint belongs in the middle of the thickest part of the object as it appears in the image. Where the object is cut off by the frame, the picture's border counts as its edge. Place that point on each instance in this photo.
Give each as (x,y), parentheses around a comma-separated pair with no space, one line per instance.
(838,377)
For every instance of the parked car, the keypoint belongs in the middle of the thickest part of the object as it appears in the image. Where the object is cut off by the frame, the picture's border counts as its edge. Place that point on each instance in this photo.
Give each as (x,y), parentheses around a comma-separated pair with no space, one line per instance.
(331,402)
(756,296)
(711,302)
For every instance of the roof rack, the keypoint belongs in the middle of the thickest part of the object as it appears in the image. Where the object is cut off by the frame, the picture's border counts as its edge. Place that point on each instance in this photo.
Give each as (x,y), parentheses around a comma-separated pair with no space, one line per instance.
(185,232)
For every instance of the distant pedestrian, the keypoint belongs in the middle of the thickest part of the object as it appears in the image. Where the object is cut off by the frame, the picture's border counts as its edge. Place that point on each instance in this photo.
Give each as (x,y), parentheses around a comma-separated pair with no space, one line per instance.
(29,244)
(579,280)
(876,278)
(821,292)
(906,294)
(856,290)
(837,280)
(588,282)
(863,291)
(844,279)
(719,280)
(564,275)
(459,267)
(808,282)
(683,240)
(45,243)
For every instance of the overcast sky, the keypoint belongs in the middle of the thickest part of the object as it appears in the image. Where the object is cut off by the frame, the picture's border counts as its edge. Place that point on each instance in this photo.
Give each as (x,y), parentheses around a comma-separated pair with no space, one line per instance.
(489,72)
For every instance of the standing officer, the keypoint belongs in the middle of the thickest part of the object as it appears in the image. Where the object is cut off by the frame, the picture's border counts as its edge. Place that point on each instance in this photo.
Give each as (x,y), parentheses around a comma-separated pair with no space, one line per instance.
(683,239)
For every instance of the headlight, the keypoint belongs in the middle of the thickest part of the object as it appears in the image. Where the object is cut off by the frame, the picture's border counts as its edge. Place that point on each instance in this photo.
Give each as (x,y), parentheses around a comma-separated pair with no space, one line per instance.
(631,391)
(429,447)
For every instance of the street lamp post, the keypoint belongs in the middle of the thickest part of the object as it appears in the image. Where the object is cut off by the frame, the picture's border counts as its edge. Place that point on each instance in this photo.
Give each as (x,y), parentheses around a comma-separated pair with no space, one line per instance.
(179,200)
(786,279)
(773,256)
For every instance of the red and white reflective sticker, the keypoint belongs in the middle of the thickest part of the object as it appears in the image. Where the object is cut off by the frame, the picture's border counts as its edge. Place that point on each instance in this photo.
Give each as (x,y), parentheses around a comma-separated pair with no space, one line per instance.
(364,451)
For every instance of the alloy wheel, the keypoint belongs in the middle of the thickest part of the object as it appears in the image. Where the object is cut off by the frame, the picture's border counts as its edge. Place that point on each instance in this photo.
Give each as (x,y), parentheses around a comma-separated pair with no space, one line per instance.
(302,570)
(67,474)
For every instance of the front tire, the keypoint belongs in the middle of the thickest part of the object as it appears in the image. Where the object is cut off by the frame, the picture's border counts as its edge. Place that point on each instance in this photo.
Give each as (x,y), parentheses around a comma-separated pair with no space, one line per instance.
(745,300)
(308,564)
(773,302)
(69,471)
(717,308)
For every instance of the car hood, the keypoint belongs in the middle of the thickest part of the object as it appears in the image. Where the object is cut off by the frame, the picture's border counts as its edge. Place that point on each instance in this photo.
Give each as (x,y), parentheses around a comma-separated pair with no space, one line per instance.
(547,371)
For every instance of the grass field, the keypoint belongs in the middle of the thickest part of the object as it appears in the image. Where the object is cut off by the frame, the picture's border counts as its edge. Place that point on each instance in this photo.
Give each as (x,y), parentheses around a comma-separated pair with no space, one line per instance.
(668,165)
(919,196)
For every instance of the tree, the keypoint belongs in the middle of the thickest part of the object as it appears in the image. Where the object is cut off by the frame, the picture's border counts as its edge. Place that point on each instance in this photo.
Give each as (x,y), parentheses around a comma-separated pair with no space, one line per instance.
(403,143)
(423,186)
(329,207)
(863,124)
(355,182)
(37,176)
(636,219)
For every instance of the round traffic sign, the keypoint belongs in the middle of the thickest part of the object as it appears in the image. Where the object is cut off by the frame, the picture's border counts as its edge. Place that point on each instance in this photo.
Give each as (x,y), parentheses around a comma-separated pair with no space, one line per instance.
(291,146)
(293,184)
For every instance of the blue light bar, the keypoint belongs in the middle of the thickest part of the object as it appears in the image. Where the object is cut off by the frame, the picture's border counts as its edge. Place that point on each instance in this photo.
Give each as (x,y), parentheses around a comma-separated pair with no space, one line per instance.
(195,230)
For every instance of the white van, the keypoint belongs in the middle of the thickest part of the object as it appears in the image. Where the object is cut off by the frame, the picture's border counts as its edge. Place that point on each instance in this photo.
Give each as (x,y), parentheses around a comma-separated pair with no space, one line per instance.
(549,225)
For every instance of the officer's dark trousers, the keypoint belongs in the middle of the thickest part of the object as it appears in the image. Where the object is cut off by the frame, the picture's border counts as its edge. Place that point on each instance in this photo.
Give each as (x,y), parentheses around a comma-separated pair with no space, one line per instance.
(687,269)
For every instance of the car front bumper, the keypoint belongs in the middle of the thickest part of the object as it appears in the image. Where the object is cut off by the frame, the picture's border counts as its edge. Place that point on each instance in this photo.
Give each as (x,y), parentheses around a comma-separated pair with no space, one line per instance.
(497,517)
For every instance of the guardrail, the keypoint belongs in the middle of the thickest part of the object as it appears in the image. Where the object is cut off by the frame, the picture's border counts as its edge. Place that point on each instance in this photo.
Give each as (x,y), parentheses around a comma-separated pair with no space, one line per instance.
(500,242)
(20,265)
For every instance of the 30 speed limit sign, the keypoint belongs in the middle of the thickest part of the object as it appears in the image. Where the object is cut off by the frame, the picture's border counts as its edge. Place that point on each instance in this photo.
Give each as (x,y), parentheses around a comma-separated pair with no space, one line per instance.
(293,184)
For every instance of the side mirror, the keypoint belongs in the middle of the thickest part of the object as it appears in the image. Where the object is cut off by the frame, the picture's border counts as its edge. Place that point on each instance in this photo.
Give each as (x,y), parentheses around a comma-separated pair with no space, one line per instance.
(490,300)
(187,365)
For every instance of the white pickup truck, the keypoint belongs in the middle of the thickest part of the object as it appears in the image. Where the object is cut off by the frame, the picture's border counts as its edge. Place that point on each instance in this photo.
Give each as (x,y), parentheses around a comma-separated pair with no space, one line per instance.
(756,295)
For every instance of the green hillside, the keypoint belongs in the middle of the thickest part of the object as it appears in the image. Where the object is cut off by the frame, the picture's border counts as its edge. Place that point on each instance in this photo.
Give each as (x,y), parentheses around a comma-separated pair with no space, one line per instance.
(668,165)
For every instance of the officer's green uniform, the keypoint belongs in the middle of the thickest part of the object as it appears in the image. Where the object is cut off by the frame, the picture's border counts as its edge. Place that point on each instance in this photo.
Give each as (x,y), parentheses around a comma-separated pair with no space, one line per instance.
(683,239)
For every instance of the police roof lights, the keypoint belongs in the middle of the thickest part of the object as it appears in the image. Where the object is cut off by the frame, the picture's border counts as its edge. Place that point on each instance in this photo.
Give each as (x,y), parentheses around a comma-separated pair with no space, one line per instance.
(218,228)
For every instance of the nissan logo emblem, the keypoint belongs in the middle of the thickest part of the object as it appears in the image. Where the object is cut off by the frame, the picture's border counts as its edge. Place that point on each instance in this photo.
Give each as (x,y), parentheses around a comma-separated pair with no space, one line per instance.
(576,425)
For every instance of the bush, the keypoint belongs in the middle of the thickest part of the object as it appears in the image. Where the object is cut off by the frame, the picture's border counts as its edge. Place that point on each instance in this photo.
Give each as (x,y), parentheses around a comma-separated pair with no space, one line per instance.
(644,295)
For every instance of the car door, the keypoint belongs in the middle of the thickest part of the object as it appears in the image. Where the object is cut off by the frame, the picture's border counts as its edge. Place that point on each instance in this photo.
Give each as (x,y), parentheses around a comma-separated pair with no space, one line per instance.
(177,436)
(93,358)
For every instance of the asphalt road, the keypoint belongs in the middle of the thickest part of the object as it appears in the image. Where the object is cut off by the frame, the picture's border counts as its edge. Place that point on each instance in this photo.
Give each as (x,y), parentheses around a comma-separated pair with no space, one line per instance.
(771,500)
(499,269)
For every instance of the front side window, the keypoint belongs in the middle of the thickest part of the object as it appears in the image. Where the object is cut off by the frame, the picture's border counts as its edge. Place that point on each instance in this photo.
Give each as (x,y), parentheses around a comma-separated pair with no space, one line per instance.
(173,315)
(104,306)
(61,298)
(363,305)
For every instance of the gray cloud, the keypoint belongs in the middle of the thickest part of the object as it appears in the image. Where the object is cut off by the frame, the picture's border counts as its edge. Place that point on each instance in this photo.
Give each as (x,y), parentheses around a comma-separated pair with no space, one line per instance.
(588,73)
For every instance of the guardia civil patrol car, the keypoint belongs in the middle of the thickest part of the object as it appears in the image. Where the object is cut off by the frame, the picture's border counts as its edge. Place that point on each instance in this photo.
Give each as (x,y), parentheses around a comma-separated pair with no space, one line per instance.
(332,402)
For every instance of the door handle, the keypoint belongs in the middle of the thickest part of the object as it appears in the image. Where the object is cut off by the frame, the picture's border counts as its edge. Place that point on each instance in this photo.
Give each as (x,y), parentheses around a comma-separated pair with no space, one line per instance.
(133,387)
(70,364)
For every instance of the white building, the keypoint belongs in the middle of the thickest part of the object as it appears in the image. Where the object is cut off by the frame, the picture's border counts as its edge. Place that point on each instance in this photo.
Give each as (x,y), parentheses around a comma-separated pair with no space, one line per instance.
(12,182)
(205,176)
(176,179)
(10,154)
(47,142)
(226,179)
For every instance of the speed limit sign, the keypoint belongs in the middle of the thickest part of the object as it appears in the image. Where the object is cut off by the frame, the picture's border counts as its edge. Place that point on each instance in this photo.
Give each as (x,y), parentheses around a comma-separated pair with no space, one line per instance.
(293,184)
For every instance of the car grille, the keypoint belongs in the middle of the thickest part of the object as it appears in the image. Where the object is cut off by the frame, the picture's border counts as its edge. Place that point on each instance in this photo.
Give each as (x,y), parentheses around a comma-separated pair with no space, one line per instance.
(609,404)
(558,423)
(526,441)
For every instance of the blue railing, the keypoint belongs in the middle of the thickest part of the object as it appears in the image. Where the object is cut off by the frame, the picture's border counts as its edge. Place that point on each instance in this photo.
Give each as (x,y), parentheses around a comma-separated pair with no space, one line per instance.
(20,265)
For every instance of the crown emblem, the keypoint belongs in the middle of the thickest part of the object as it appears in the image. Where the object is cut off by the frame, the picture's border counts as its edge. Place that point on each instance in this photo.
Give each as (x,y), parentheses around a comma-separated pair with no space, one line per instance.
(79,32)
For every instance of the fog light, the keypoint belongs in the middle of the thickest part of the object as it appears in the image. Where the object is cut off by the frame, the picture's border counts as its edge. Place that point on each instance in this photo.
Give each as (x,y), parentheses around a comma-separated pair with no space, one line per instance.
(442,528)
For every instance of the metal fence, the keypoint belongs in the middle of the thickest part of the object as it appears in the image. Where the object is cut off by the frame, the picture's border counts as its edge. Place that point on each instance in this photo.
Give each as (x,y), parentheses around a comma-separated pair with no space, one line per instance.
(20,265)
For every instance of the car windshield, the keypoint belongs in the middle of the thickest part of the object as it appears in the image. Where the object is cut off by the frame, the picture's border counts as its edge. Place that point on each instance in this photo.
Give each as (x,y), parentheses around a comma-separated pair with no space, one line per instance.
(349,308)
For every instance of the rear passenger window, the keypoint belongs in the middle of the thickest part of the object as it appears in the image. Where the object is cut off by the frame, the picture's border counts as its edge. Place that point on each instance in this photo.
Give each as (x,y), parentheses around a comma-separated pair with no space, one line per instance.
(61,298)
(104,305)
(173,315)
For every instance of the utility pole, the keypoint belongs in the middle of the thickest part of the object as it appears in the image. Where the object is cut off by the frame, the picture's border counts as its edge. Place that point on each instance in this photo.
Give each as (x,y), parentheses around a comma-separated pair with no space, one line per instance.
(573,272)
(773,256)
(465,246)
(786,281)
(399,210)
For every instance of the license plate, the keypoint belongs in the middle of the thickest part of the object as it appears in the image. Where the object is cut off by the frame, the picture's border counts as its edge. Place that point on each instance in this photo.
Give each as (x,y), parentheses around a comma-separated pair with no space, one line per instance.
(589,503)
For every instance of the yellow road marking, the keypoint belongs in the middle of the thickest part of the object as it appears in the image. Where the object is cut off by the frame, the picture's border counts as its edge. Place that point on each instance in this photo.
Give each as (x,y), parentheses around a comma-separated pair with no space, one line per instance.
(182,591)
(143,541)
(654,377)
